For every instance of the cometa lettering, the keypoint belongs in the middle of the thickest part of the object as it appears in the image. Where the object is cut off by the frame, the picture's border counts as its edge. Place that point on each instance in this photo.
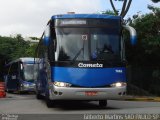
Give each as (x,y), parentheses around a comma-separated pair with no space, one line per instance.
(97,65)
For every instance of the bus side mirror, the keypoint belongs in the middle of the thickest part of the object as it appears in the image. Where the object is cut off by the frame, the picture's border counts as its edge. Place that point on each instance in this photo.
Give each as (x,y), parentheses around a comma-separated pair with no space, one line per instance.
(133,34)
(46,37)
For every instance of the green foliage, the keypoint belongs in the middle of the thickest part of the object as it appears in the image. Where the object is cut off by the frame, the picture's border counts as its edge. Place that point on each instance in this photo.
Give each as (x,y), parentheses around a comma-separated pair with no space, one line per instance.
(109,12)
(146,52)
(30,51)
(144,57)
(13,48)
(155,1)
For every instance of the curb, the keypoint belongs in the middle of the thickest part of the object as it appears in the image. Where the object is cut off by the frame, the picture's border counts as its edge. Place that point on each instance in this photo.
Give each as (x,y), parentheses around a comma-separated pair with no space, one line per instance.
(142,98)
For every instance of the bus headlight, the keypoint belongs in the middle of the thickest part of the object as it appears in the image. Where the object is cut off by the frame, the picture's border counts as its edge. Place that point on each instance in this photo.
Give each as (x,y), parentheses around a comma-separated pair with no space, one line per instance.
(119,84)
(62,84)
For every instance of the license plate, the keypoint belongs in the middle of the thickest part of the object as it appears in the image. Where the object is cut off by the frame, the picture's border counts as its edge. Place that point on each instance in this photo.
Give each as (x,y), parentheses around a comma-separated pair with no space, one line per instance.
(91,93)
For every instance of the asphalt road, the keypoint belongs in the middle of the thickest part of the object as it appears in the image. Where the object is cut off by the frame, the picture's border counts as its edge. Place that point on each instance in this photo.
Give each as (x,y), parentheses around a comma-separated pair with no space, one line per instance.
(28,104)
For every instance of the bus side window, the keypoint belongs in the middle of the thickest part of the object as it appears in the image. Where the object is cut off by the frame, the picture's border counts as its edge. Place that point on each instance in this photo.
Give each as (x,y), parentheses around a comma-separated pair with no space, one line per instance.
(52,45)
(21,75)
(14,71)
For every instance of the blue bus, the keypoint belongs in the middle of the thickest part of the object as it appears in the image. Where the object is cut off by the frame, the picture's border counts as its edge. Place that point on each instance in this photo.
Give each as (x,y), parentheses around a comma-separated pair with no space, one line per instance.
(20,75)
(82,57)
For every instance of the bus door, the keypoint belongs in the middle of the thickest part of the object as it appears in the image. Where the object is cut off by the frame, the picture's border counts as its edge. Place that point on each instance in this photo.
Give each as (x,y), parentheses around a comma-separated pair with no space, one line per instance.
(41,79)
(12,78)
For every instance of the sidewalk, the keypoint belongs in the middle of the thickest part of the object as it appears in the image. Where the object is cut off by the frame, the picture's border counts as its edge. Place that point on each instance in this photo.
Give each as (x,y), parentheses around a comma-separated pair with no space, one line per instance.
(142,98)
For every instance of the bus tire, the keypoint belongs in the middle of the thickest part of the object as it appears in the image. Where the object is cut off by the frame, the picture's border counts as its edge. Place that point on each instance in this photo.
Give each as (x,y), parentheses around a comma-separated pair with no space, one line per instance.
(39,96)
(10,91)
(103,103)
(49,103)
(21,92)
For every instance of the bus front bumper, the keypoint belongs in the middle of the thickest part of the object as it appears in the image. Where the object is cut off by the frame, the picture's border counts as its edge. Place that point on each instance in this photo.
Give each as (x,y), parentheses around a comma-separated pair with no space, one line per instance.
(72,93)
(28,88)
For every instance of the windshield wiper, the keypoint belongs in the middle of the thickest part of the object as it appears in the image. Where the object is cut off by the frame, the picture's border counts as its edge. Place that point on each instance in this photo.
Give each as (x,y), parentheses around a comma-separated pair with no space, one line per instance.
(106,50)
(79,52)
(76,56)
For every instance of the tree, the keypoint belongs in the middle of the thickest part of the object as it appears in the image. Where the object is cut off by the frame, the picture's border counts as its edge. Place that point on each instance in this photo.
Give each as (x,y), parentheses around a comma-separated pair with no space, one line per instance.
(125,7)
(30,51)
(109,12)
(144,57)
(148,46)
(13,48)
(155,1)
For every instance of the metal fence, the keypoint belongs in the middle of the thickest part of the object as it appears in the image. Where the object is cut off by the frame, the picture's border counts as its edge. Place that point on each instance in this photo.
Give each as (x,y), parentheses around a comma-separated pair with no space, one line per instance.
(143,80)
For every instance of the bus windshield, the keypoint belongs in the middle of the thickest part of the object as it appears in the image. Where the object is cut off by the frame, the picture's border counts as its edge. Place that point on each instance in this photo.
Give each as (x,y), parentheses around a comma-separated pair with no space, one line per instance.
(30,72)
(104,46)
(86,44)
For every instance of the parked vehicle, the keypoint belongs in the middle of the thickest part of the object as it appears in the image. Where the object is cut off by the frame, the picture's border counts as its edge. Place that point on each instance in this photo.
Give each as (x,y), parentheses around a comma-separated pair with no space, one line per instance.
(20,75)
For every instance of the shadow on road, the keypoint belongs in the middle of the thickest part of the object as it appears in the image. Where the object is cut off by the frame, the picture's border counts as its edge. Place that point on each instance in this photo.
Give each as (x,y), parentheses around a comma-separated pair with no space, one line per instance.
(80,105)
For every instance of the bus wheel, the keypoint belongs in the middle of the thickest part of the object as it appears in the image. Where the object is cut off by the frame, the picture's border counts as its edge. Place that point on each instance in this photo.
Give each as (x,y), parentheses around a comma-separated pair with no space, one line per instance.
(39,96)
(49,103)
(9,91)
(103,103)
(21,92)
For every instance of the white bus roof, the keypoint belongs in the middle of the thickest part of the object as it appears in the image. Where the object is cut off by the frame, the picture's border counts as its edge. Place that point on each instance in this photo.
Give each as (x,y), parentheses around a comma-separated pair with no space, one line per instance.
(23,59)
